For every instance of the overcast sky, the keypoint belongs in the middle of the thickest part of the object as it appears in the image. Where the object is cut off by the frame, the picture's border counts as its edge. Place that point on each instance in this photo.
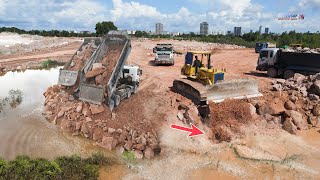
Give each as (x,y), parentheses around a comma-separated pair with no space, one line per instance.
(176,15)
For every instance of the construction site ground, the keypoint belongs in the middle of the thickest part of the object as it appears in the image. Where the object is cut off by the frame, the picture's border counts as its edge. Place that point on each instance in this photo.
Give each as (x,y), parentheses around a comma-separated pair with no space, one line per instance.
(255,149)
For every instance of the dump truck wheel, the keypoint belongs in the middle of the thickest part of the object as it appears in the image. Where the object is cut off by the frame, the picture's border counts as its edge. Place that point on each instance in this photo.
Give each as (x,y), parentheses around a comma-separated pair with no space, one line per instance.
(272,72)
(288,74)
(117,100)
(129,93)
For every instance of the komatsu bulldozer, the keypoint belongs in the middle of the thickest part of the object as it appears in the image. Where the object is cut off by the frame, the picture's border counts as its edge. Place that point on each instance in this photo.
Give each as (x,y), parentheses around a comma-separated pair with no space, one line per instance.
(205,84)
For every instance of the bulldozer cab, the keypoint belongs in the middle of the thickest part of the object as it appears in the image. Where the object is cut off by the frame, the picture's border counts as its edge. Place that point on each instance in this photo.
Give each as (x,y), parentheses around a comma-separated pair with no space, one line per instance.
(203,56)
(206,74)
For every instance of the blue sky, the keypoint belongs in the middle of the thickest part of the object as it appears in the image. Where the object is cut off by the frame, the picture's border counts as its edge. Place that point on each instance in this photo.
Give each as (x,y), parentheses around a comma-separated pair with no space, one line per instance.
(176,15)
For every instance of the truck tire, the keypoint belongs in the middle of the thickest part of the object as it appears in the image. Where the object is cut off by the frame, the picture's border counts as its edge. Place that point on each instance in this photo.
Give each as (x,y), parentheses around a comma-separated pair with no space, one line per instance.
(272,72)
(117,100)
(129,91)
(288,74)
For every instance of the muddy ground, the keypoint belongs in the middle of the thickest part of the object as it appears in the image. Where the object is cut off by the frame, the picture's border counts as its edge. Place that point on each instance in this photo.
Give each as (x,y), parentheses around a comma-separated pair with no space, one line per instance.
(256,149)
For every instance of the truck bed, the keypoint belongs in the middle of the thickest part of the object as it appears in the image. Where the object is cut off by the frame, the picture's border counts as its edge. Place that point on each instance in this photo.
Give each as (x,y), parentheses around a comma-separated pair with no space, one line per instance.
(299,59)
(112,53)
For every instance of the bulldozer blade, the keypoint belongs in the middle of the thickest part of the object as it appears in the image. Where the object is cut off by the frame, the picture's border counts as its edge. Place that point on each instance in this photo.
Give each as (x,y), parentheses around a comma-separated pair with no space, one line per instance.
(233,89)
(67,78)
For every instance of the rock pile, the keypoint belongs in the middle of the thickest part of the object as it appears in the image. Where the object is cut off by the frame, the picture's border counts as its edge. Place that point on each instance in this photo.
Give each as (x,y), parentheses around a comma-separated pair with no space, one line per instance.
(98,123)
(300,110)
(303,50)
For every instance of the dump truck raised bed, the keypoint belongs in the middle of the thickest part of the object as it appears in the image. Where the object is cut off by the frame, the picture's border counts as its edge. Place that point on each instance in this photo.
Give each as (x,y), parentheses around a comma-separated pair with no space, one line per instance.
(68,76)
(106,79)
(279,63)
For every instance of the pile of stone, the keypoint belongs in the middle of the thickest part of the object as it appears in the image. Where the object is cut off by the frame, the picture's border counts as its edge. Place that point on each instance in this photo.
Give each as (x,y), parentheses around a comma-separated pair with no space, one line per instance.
(97,123)
(301,110)
(302,50)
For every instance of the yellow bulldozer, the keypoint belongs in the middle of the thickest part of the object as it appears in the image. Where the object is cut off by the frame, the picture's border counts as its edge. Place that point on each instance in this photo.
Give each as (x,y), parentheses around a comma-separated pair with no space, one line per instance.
(204,84)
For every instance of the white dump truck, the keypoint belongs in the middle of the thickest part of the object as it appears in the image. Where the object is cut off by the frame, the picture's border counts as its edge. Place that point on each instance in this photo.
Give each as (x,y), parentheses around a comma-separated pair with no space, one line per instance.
(119,81)
(164,54)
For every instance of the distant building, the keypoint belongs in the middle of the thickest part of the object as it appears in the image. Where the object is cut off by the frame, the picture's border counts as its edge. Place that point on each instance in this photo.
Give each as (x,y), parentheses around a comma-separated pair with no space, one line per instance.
(159,28)
(260,30)
(204,28)
(131,32)
(266,30)
(229,32)
(251,31)
(85,32)
(237,31)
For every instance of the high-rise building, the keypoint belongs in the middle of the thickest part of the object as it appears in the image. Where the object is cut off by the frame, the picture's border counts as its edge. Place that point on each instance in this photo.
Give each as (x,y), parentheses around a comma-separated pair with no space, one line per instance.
(260,30)
(204,28)
(266,30)
(159,28)
(237,31)
(251,31)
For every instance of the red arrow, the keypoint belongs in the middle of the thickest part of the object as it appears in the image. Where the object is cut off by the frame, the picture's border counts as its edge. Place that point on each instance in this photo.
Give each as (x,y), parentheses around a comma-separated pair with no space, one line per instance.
(194,130)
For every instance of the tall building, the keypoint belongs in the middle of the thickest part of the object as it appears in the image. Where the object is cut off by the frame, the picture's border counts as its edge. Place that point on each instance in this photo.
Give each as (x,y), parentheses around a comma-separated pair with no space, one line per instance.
(237,31)
(159,28)
(260,30)
(266,30)
(251,31)
(204,28)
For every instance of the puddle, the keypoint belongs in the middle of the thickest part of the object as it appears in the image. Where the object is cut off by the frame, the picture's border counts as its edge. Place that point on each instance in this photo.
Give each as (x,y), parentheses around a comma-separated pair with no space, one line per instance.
(24,130)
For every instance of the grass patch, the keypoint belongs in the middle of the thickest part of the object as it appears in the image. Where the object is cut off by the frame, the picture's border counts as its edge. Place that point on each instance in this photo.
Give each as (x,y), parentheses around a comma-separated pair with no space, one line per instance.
(50,63)
(73,167)
(129,156)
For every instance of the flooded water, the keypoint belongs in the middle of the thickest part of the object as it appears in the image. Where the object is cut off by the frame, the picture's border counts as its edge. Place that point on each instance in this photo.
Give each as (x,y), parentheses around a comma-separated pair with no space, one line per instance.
(24,130)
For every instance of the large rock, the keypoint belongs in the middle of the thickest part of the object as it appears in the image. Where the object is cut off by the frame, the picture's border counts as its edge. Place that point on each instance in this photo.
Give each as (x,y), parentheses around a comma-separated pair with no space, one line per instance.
(108,143)
(97,134)
(314,97)
(95,72)
(272,107)
(299,78)
(316,110)
(96,109)
(96,66)
(99,80)
(85,128)
(128,145)
(148,153)
(289,126)
(140,147)
(253,110)
(289,105)
(138,154)
(79,107)
(60,114)
(298,119)
(316,85)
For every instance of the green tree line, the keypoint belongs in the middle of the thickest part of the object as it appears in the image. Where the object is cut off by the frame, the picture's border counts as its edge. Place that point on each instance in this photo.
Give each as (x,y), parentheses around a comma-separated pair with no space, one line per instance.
(308,39)
(102,28)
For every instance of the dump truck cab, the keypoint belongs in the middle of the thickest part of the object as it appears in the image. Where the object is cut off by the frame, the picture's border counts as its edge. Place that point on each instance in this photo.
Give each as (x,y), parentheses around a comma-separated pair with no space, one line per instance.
(267,58)
(205,73)
(164,54)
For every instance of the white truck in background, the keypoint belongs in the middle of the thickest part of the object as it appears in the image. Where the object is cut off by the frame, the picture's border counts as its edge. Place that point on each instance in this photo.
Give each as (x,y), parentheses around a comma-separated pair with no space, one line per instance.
(164,54)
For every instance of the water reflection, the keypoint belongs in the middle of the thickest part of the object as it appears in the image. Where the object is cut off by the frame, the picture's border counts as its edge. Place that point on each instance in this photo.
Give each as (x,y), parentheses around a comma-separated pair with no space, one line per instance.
(24,130)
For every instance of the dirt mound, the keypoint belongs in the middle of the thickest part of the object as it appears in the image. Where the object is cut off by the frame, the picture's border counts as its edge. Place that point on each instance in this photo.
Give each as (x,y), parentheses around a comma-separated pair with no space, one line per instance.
(81,57)
(227,117)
